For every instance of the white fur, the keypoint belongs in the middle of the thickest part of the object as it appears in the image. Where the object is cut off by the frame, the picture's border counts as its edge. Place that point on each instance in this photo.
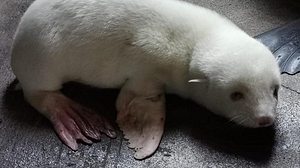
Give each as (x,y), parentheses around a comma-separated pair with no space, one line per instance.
(106,43)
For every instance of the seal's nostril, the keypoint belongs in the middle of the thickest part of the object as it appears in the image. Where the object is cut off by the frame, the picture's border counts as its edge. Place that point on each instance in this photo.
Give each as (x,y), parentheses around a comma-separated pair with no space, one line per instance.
(264,121)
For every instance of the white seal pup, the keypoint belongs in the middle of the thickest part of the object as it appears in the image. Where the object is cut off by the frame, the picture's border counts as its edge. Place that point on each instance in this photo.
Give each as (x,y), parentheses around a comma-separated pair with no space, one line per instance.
(147,48)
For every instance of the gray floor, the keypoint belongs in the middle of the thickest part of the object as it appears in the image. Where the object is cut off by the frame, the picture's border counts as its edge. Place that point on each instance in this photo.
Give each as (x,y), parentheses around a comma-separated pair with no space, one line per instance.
(193,137)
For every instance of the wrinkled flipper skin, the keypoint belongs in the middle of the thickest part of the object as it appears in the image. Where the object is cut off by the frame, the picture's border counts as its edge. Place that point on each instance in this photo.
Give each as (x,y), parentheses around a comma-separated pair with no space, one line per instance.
(141,117)
(71,121)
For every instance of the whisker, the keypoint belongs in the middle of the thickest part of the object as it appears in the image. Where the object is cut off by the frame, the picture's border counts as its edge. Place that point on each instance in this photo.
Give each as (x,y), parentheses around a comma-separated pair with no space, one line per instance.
(243,121)
(234,118)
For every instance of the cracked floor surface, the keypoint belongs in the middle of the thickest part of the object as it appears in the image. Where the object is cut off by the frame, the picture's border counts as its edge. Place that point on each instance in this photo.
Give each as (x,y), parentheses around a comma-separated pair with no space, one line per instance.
(193,137)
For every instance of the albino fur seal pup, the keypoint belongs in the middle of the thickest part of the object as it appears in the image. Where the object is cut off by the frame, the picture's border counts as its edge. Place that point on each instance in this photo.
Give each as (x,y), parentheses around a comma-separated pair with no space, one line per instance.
(147,48)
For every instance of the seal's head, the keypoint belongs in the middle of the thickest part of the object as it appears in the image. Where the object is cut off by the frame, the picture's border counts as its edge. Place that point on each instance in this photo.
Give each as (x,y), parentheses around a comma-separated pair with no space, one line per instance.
(239,81)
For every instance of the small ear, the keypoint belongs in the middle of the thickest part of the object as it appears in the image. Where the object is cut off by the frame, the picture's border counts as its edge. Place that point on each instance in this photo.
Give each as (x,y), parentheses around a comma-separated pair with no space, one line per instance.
(196,80)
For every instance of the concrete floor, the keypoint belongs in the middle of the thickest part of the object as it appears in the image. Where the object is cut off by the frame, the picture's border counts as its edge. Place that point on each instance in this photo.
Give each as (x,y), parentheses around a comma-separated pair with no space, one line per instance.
(193,137)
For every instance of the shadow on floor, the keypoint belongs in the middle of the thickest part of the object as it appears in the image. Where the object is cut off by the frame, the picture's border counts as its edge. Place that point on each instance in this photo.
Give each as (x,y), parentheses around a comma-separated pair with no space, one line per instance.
(211,130)
(276,8)
(217,132)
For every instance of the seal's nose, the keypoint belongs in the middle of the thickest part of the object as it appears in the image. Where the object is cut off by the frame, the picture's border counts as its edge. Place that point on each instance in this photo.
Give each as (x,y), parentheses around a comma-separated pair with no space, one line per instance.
(265,121)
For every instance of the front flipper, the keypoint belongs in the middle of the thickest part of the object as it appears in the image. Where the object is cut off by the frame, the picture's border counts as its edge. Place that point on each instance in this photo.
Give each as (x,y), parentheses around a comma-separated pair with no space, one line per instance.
(141,118)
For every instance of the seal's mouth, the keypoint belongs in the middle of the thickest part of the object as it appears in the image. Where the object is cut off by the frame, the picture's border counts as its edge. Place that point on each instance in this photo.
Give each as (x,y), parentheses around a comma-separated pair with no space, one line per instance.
(257,122)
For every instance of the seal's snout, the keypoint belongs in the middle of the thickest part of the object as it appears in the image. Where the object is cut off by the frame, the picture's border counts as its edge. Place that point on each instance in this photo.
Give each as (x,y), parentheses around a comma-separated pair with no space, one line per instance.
(265,121)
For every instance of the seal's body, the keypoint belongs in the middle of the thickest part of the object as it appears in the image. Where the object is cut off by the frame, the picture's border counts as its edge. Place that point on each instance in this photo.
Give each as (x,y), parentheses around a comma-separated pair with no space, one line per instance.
(146,48)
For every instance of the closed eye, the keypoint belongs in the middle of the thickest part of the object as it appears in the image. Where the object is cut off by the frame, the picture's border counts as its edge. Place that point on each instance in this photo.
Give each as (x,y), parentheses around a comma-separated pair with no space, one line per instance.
(236,96)
(275,91)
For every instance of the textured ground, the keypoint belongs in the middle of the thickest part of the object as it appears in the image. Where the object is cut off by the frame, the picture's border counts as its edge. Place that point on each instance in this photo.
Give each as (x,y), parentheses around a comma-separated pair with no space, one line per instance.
(193,137)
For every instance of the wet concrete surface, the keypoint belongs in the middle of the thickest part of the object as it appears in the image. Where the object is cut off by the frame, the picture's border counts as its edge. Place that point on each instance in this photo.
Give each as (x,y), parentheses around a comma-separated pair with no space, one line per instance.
(193,137)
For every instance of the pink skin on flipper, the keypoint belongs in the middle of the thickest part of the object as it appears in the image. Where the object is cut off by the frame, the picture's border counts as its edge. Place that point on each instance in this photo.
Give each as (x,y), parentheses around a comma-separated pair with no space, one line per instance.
(141,118)
(72,121)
